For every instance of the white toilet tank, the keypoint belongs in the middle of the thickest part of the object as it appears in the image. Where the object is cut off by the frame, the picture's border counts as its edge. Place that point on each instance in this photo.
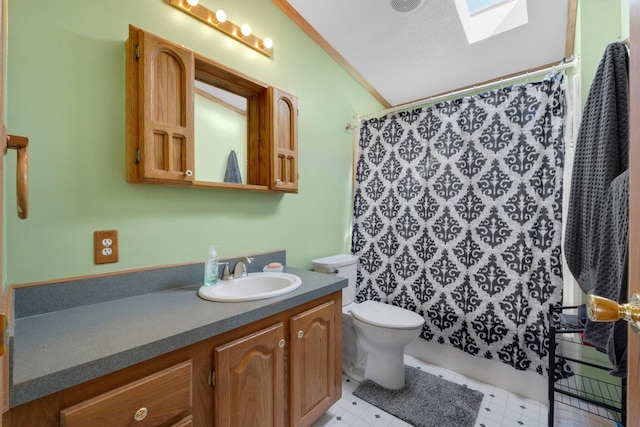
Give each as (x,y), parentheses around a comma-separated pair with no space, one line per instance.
(344,266)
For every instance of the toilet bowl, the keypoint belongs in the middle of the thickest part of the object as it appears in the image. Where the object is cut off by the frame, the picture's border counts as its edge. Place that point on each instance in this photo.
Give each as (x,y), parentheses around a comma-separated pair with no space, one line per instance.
(354,357)
(374,334)
(384,331)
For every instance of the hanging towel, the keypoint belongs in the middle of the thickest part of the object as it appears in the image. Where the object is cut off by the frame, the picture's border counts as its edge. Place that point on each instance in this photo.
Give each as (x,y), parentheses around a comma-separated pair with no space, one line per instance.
(596,237)
(233,171)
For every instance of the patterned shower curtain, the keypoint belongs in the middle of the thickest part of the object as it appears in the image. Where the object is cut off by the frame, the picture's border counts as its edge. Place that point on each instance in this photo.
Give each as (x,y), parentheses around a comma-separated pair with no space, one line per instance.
(457,216)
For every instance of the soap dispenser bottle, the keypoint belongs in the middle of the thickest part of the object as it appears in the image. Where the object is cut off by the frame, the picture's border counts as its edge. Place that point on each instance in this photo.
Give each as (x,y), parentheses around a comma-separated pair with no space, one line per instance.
(211,267)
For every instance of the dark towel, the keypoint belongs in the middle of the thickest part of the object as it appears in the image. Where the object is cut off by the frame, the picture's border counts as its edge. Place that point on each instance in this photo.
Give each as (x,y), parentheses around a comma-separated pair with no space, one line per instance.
(233,171)
(596,238)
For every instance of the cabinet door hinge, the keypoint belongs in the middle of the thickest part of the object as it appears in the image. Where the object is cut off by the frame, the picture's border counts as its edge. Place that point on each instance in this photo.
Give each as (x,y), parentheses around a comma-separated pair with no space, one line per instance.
(137,157)
(212,378)
(137,51)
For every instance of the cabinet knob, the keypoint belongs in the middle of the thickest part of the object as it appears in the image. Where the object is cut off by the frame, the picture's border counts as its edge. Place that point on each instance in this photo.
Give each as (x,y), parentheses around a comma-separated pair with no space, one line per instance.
(140,414)
(300,334)
(281,343)
(188,172)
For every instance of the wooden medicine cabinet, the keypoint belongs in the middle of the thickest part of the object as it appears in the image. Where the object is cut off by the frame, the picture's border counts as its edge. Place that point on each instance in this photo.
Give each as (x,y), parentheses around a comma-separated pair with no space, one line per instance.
(187,116)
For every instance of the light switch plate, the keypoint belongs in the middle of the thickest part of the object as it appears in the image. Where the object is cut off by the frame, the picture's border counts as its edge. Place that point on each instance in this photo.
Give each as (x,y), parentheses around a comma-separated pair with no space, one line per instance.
(105,246)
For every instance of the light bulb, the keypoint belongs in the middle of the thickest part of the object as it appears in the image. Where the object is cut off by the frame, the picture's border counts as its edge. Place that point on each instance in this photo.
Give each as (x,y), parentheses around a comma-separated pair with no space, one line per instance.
(245,30)
(267,43)
(192,2)
(221,16)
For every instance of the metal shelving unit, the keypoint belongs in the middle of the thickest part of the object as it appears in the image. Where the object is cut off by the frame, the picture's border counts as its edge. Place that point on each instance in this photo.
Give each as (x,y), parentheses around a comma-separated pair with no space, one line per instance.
(595,396)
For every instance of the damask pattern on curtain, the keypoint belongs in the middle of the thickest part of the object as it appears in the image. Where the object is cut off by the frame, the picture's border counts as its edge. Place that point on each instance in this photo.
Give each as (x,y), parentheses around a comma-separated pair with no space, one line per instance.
(457,216)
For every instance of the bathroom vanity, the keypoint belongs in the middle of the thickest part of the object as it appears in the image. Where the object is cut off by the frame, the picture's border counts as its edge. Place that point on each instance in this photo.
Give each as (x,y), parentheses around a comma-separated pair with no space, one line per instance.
(170,358)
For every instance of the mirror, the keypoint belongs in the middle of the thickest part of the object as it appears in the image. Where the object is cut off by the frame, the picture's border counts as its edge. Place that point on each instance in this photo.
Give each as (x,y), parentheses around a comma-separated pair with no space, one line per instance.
(220,119)
(188,115)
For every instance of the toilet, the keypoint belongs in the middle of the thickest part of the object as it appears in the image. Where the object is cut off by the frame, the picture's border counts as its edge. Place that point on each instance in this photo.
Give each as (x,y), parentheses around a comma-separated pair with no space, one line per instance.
(374,334)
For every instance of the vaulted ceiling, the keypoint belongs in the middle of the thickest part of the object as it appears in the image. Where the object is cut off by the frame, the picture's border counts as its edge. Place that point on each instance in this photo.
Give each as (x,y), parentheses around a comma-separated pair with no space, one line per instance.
(402,57)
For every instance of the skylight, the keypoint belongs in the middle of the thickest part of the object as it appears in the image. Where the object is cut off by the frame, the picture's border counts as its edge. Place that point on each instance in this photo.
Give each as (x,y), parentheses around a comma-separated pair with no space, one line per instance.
(482,19)
(475,6)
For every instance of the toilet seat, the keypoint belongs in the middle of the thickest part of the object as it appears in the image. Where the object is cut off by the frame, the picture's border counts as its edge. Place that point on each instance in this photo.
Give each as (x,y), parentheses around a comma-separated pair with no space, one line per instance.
(386,315)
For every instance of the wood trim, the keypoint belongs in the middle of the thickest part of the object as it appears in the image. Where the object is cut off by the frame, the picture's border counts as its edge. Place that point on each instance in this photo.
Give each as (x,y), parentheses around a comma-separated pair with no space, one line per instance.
(132,96)
(218,74)
(231,186)
(633,377)
(6,308)
(570,39)
(315,36)
(5,373)
(209,184)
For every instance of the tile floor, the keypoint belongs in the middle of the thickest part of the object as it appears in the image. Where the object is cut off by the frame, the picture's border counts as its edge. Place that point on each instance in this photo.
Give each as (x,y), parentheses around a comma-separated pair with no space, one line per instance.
(499,407)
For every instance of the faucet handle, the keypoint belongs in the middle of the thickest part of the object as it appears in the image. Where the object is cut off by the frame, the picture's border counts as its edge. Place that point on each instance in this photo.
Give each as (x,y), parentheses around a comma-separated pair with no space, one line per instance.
(226,275)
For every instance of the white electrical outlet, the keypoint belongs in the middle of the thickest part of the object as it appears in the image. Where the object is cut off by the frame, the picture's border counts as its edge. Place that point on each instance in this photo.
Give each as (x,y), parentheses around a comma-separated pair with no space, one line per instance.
(105,246)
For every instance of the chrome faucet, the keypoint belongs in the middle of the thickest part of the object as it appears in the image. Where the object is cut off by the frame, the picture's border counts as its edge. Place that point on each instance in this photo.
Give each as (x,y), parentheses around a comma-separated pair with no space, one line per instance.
(240,268)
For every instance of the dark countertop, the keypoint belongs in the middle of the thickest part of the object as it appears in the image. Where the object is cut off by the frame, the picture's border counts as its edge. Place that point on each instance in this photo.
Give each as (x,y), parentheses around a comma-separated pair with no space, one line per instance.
(59,349)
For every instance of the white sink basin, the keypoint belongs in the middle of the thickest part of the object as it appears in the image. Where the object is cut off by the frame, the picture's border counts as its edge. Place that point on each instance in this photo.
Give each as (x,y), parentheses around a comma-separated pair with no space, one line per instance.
(252,287)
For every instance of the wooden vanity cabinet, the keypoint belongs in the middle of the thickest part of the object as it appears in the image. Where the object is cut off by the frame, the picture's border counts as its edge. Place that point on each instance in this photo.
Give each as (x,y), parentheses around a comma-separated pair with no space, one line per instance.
(283,370)
(250,377)
(161,146)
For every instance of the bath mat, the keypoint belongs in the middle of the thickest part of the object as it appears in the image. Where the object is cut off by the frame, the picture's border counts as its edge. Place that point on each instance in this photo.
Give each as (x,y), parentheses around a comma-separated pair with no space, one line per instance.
(425,401)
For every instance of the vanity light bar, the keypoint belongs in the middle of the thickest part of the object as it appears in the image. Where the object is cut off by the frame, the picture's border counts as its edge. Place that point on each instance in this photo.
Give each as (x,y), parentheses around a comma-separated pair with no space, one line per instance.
(239,33)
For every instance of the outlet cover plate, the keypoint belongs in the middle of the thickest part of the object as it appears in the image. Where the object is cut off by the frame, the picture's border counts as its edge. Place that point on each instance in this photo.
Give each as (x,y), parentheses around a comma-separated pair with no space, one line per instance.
(105,246)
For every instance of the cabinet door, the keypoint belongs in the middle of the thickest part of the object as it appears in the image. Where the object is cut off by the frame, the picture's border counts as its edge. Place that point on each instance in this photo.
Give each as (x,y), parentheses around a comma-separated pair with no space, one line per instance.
(315,371)
(166,74)
(249,380)
(284,144)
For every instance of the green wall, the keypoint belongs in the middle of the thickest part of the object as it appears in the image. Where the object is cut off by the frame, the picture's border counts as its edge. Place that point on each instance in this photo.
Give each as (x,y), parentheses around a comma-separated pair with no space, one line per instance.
(600,22)
(66,92)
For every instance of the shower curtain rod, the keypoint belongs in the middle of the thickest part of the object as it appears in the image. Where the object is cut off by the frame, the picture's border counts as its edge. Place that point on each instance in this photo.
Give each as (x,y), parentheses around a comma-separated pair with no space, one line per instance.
(424,101)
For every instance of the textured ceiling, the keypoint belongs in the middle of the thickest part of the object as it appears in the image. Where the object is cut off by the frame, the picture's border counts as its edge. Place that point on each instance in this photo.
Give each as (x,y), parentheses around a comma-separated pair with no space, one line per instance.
(413,55)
